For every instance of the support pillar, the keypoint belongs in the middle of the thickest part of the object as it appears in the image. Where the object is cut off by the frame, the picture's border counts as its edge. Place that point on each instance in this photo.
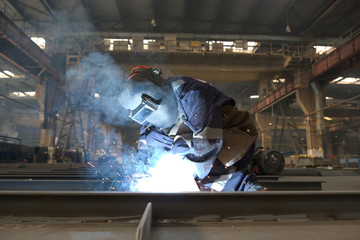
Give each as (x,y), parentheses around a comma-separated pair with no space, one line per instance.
(263,88)
(309,102)
(319,105)
(265,121)
(45,93)
(40,97)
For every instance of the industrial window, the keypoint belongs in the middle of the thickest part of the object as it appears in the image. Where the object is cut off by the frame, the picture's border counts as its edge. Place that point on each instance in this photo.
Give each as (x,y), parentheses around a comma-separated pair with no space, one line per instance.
(148,43)
(324,49)
(349,80)
(238,46)
(115,44)
(23,94)
(41,42)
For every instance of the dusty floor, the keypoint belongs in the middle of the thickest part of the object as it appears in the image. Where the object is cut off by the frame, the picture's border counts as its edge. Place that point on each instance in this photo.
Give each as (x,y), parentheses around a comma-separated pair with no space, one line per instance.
(258,230)
(296,228)
(334,179)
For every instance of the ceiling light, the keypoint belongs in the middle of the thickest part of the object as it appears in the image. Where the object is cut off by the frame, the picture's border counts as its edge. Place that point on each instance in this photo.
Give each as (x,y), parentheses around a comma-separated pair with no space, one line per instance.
(254,96)
(153,22)
(287,29)
(328,118)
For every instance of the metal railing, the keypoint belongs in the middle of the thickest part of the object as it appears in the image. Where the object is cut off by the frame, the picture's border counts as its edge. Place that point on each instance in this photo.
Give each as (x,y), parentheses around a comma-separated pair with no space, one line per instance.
(349,34)
(7,139)
(260,48)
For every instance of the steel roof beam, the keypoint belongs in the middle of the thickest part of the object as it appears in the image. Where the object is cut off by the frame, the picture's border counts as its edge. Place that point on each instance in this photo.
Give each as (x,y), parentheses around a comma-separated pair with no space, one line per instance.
(124,18)
(319,15)
(201,36)
(245,24)
(91,12)
(282,14)
(24,45)
(217,20)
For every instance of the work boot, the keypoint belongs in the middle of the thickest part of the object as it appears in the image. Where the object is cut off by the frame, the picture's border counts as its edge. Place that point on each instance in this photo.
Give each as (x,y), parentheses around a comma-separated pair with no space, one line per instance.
(251,184)
(256,188)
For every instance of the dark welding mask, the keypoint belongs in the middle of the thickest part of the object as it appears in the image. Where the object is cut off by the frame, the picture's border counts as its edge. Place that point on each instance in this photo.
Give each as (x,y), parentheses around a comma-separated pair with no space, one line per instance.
(150,98)
(145,109)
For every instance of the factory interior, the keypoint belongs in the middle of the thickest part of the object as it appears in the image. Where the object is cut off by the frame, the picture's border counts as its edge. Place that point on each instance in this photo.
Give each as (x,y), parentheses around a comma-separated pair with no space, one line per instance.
(69,163)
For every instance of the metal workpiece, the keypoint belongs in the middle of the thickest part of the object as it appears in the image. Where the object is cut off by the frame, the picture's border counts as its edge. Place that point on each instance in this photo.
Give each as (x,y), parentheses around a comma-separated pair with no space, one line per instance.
(144,226)
(226,205)
(66,184)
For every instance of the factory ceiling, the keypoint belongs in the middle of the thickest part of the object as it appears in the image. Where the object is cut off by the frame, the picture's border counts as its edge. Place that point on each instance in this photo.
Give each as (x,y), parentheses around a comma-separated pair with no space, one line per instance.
(275,19)
(301,21)
(294,22)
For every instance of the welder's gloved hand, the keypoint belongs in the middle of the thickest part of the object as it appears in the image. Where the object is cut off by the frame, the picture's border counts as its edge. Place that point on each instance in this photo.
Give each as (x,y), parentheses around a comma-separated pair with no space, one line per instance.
(180,147)
(155,137)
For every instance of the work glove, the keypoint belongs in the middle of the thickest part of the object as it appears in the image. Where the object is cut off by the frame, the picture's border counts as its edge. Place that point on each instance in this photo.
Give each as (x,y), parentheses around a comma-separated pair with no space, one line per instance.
(155,137)
(180,147)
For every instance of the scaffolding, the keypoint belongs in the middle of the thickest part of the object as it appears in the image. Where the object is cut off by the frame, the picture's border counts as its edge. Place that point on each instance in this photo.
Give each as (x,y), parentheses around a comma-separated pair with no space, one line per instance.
(71,124)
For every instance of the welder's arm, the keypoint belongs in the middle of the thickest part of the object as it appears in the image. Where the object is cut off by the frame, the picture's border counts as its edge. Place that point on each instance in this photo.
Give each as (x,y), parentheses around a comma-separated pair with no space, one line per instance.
(201,154)
(180,147)
(154,137)
(204,119)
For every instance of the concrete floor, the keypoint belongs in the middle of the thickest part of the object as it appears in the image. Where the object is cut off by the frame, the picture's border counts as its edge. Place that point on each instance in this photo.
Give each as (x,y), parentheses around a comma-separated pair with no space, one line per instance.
(331,183)
(298,229)
(258,228)
(328,230)
(334,179)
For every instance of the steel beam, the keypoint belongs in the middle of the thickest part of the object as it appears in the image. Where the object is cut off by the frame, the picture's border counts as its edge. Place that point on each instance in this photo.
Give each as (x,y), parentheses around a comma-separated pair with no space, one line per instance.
(143,229)
(94,184)
(18,66)
(195,36)
(314,205)
(23,43)
(321,13)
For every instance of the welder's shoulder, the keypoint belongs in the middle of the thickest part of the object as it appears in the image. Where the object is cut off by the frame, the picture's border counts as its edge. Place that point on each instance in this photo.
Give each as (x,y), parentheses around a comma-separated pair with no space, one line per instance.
(190,82)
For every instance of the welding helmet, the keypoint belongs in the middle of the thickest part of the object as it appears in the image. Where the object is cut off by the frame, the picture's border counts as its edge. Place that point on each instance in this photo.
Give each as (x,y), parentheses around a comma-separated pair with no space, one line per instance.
(142,73)
(151,97)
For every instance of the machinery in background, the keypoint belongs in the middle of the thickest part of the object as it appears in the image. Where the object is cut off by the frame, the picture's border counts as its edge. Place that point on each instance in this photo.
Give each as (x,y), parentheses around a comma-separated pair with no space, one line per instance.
(267,162)
(18,153)
(264,162)
(15,153)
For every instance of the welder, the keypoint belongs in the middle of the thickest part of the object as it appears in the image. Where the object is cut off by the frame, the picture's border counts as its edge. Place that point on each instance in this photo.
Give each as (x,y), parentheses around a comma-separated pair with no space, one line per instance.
(192,118)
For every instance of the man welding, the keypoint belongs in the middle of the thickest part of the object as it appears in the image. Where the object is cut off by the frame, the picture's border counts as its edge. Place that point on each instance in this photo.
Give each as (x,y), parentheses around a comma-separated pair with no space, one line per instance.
(192,118)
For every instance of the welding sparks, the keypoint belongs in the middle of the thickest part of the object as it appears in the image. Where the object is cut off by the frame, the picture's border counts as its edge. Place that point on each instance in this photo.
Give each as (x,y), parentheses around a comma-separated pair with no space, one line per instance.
(170,174)
(91,164)
(150,170)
